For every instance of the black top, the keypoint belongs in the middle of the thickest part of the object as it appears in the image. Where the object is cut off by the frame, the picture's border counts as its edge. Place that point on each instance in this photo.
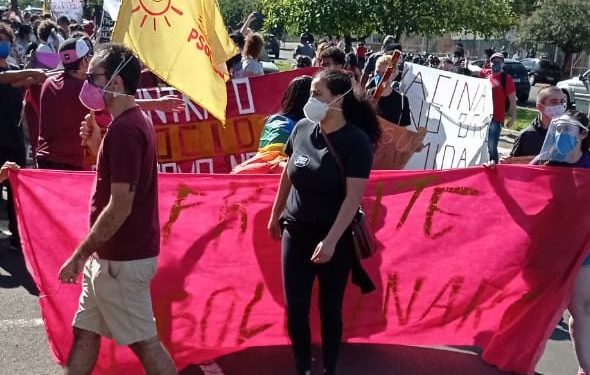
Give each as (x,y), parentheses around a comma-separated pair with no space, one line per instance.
(318,186)
(530,140)
(11,104)
(392,108)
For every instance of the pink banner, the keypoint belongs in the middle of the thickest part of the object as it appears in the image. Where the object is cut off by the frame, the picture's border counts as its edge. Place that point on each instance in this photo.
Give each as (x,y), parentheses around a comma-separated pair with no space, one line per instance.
(466,257)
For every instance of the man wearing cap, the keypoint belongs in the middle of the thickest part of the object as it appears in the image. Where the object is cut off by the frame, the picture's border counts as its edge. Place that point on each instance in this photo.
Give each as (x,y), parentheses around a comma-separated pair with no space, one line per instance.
(503,92)
(61,111)
(59,140)
(389,45)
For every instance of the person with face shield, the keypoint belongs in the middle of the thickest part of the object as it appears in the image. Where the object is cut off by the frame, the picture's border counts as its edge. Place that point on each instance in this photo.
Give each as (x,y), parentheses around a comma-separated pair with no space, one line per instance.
(119,254)
(551,103)
(566,145)
(330,157)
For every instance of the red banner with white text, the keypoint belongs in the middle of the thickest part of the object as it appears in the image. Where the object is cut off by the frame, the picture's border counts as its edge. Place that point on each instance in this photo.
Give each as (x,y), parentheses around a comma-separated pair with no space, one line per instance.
(466,257)
(195,142)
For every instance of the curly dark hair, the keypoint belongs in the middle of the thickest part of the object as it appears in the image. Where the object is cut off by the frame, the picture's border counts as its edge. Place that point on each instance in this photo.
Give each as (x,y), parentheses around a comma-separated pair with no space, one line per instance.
(253,45)
(45,28)
(358,112)
(295,97)
(336,54)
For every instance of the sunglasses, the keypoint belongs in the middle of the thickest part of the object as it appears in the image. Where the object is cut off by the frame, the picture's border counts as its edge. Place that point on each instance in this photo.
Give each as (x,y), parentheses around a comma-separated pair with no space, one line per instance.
(90,77)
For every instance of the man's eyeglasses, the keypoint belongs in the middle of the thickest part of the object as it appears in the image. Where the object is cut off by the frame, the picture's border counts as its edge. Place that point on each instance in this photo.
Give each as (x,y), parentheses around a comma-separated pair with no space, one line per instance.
(90,77)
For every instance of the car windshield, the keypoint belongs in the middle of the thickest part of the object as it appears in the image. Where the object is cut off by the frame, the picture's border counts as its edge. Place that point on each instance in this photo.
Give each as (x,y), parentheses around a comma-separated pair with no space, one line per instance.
(515,69)
(548,65)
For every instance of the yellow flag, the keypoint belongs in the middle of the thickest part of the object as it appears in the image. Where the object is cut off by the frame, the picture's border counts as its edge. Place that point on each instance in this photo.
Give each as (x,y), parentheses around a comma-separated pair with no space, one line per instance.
(183,42)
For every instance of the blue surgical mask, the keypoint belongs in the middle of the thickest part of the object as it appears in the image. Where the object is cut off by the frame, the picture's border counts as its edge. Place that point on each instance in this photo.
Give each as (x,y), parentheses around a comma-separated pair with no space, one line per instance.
(5,49)
(565,144)
(497,67)
(377,78)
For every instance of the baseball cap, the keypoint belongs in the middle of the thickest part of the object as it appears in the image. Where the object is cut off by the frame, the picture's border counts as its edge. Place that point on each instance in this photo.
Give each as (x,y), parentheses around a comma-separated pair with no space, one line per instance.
(497,55)
(73,49)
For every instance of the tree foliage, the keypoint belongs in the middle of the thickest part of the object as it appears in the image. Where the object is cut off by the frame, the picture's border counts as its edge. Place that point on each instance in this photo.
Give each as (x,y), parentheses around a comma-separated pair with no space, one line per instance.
(235,12)
(563,22)
(395,17)
(323,17)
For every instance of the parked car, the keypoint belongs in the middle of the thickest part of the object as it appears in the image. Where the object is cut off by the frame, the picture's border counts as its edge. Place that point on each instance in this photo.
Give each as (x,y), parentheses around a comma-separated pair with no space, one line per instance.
(542,71)
(272,45)
(269,67)
(577,91)
(513,68)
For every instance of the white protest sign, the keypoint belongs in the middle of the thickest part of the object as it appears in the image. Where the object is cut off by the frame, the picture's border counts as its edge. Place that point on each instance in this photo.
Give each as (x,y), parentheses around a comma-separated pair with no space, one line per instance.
(112,8)
(73,9)
(456,111)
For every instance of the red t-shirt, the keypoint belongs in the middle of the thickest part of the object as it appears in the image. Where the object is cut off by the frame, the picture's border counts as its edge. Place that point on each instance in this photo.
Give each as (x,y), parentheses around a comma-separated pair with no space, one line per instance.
(61,113)
(499,95)
(128,154)
(361,52)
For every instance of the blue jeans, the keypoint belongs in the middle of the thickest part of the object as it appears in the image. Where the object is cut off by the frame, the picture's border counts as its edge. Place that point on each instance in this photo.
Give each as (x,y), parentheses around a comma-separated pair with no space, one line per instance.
(493,139)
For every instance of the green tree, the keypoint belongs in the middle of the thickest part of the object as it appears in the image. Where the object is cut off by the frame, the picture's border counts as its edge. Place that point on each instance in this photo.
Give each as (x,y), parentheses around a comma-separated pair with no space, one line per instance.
(235,12)
(321,17)
(524,7)
(563,22)
(394,17)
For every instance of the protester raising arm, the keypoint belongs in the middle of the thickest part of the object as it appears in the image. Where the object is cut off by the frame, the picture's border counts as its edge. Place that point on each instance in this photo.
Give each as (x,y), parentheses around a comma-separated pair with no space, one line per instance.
(20,78)
(90,131)
(245,30)
(168,103)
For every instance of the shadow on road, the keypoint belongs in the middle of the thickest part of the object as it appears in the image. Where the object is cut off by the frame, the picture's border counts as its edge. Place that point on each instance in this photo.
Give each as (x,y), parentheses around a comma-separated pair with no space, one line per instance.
(13,263)
(356,359)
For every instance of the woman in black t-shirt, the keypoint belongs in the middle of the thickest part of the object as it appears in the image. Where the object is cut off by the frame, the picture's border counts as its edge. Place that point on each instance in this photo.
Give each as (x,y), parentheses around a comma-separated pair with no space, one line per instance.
(315,205)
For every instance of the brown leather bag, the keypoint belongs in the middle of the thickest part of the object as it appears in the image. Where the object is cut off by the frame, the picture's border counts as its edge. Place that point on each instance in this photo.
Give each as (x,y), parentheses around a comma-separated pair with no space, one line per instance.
(363,238)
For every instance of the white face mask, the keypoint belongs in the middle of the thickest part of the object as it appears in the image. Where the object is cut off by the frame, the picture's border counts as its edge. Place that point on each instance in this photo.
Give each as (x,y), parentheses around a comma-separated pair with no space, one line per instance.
(554,111)
(315,110)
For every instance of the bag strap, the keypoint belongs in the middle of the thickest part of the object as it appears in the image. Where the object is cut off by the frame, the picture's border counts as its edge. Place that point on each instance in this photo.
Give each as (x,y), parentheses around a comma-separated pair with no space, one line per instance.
(504,82)
(401,113)
(335,156)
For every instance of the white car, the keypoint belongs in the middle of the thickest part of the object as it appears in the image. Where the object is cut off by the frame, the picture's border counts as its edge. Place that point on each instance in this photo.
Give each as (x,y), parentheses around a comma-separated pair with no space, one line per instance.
(577,90)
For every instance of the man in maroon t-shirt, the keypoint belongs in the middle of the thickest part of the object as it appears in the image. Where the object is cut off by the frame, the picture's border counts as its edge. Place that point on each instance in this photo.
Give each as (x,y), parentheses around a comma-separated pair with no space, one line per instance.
(119,255)
(61,111)
(502,89)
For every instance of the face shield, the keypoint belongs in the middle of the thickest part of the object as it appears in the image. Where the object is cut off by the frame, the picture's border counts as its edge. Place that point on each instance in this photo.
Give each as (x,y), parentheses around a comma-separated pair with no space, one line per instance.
(562,141)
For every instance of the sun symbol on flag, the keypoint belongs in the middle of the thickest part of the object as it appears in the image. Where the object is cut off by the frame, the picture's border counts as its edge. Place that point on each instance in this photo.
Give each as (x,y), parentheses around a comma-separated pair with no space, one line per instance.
(155,9)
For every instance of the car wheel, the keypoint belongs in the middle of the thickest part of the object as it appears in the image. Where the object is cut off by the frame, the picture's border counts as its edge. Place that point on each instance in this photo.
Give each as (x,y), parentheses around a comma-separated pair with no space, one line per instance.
(532,80)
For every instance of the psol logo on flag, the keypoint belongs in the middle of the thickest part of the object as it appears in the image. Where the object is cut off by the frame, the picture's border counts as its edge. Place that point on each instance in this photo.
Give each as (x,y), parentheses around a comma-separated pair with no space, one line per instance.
(155,9)
(183,42)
